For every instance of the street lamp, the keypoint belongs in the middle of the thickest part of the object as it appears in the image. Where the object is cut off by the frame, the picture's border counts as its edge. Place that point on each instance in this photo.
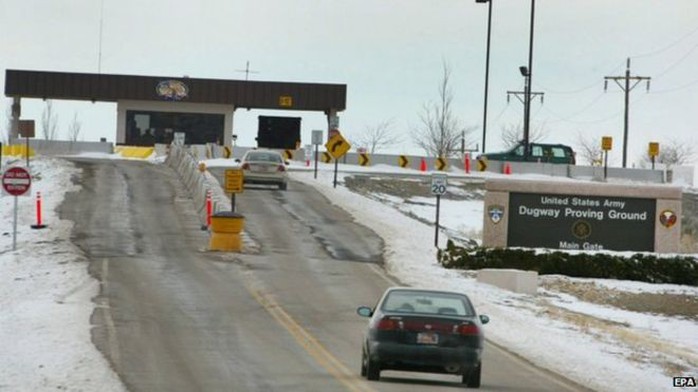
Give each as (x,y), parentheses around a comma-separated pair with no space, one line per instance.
(487,69)
(528,72)
(527,102)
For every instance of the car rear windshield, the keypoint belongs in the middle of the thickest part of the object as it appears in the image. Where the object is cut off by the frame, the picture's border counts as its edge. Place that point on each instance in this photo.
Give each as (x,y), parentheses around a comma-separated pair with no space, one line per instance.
(263,157)
(428,303)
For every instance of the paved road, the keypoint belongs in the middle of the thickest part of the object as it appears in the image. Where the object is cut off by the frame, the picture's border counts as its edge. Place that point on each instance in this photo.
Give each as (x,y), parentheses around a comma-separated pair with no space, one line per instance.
(173,317)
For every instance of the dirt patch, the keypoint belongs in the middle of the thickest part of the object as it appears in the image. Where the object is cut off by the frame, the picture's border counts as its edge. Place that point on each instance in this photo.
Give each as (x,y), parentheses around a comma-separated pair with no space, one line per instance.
(413,187)
(667,304)
(642,347)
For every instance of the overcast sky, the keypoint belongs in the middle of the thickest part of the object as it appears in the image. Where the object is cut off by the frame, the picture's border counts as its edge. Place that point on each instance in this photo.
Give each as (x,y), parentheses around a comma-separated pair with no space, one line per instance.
(389,53)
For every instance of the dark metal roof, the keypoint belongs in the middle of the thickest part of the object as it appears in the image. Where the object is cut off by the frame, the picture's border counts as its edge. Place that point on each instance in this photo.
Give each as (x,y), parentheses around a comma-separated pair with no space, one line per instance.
(241,93)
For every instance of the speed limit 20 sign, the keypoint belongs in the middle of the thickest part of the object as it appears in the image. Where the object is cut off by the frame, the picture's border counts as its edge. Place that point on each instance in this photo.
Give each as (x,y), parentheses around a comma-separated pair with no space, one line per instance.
(439,182)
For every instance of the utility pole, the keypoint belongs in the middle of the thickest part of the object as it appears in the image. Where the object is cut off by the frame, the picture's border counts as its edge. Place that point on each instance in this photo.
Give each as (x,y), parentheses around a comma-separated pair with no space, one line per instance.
(626,87)
(525,98)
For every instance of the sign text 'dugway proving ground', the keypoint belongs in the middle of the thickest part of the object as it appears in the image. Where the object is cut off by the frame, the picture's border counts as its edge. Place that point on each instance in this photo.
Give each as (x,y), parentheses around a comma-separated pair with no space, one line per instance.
(581,222)
(582,216)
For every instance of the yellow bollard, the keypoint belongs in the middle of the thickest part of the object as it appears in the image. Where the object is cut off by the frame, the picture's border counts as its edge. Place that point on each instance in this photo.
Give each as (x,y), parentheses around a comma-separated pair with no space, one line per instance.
(226,227)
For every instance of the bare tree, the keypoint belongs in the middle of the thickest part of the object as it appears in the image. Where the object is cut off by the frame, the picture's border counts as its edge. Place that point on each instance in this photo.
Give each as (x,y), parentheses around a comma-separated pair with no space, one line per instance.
(375,137)
(74,129)
(512,134)
(671,153)
(589,149)
(49,121)
(440,132)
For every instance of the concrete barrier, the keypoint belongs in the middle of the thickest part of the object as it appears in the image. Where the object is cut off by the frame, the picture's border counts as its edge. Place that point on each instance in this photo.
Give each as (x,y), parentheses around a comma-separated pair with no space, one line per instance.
(518,281)
(196,182)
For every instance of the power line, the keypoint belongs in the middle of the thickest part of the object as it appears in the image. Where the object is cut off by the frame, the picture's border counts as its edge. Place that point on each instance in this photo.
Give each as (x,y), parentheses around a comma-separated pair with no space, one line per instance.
(679,61)
(676,88)
(578,90)
(626,87)
(584,109)
(666,47)
(582,122)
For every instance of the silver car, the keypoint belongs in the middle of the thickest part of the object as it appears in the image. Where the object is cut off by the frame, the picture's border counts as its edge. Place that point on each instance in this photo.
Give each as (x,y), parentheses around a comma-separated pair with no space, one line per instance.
(265,167)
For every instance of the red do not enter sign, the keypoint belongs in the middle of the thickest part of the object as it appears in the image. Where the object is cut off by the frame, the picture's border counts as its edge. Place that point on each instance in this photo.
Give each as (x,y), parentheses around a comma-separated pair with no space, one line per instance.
(16,181)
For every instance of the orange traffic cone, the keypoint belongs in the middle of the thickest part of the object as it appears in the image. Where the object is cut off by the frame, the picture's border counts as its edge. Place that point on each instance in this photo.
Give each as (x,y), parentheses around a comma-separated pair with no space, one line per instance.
(507,168)
(423,165)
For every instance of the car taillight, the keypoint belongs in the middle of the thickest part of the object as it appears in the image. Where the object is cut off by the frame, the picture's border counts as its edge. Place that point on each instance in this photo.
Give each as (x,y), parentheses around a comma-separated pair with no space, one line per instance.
(281,168)
(468,329)
(387,324)
(245,166)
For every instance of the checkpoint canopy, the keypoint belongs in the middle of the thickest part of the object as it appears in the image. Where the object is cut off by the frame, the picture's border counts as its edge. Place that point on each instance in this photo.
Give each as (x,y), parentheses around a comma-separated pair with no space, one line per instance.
(151,109)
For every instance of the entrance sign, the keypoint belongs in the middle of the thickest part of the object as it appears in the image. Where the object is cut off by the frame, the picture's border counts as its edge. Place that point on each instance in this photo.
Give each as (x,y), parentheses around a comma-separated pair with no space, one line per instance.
(581,222)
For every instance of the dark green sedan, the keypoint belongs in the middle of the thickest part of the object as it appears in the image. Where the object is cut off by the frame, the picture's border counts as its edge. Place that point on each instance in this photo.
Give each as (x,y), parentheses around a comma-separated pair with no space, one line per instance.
(423,331)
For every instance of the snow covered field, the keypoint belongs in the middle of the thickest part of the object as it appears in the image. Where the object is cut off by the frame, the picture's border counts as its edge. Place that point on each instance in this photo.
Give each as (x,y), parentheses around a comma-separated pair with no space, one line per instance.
(46,301)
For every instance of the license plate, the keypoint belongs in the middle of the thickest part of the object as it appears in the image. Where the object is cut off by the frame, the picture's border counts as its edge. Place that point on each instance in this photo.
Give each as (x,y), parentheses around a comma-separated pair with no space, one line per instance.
(427,338)
(260,168)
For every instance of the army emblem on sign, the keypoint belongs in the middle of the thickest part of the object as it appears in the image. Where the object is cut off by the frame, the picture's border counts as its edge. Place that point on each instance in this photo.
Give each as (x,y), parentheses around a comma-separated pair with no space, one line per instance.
(496,213)
(667,218)
(581,229)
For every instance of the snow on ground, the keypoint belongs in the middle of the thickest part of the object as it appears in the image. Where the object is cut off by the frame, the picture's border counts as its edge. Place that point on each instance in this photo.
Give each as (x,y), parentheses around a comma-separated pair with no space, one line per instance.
(46,296)
(46,293)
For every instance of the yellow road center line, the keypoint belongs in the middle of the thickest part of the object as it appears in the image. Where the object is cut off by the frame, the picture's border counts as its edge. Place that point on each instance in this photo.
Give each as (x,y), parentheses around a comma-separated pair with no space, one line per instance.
(311,345)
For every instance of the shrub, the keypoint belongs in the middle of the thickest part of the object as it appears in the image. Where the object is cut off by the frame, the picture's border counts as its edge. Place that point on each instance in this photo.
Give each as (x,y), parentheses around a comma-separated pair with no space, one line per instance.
(640,267)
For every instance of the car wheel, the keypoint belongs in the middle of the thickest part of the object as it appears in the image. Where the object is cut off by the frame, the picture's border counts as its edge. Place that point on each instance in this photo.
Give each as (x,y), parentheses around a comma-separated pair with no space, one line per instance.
(283,186)
(373,369)
(364,359)
(471,378)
